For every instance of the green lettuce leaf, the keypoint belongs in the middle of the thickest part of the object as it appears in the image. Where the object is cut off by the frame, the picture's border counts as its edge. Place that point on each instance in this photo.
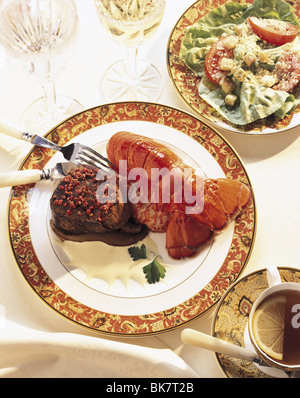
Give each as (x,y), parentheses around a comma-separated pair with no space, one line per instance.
(222,20)
(200,36)
(255,102)
(272,9)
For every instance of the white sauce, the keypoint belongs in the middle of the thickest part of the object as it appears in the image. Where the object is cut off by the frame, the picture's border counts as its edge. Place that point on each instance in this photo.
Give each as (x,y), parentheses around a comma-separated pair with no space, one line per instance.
(109,263)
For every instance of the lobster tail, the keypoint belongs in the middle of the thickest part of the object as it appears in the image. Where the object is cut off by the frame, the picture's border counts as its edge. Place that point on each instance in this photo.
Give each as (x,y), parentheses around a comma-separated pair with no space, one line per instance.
(221,199)
(185,236)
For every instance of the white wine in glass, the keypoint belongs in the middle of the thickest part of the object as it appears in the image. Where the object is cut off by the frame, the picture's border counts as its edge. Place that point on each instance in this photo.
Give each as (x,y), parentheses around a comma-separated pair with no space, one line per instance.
(37,32)
(130,23)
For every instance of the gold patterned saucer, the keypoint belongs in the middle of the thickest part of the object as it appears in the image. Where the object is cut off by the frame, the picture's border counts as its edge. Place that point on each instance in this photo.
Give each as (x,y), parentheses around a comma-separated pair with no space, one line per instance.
(232,314)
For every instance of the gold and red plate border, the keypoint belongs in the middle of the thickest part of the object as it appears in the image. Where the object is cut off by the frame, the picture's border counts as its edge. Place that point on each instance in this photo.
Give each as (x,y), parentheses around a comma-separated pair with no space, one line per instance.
(144,324)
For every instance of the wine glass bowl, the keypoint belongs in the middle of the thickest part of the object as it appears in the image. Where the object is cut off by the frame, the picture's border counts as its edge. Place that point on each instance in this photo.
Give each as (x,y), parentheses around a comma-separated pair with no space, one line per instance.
(37,32)
(36,28)
(130,23)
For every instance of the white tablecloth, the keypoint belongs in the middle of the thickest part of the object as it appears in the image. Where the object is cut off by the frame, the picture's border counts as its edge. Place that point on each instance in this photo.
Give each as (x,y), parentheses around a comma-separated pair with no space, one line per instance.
(34,340)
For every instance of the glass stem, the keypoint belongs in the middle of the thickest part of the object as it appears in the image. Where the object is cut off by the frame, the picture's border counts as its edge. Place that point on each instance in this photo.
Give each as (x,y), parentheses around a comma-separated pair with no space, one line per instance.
(43,74)
(132,54)
(49,89)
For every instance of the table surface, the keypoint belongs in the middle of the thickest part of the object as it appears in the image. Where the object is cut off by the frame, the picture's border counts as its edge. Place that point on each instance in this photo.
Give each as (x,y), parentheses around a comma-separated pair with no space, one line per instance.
(272,162)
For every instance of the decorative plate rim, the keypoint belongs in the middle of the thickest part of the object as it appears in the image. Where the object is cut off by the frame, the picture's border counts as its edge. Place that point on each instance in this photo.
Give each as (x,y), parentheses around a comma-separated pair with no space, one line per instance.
(226,126)
(145,324)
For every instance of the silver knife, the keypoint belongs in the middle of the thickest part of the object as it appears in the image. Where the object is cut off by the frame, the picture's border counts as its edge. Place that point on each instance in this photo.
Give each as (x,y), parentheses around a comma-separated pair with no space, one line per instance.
(23,177)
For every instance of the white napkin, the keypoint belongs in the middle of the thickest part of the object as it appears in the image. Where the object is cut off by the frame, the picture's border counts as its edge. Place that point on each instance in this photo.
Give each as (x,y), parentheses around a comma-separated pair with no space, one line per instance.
(33,354)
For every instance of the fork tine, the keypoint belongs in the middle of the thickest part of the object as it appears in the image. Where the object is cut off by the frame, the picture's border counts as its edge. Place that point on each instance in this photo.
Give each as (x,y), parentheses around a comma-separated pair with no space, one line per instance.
(94,163)
(95,155)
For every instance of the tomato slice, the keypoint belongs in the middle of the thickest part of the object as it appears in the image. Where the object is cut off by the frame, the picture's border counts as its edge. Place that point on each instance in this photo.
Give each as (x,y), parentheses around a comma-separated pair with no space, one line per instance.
(274,31)
(287,70)
(212,60)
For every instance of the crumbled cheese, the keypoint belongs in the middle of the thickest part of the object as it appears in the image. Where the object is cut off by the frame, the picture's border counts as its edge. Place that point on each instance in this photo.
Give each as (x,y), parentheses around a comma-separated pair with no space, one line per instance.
(250,58)
(230,42)
(230,100)
(264,57)
(226,64)
(268,80)
(227,85)
(241,30)
(240,74)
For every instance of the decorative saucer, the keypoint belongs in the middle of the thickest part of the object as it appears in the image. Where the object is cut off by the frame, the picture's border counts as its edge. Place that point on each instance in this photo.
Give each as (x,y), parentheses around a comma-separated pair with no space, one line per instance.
(231,318)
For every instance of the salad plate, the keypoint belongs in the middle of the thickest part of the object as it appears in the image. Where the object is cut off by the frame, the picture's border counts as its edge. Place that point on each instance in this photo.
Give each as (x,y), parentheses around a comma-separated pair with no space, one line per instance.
(96,285)
(259,109)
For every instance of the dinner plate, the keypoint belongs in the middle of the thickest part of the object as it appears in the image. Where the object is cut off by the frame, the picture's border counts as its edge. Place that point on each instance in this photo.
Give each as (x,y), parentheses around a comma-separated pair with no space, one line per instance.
(186,82)
(231,319)
(80,281)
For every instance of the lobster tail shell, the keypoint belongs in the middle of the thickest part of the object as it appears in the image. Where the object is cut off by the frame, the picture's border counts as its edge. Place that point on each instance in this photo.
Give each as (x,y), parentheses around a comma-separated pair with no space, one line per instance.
(222,199)
(140,152)
(185,236)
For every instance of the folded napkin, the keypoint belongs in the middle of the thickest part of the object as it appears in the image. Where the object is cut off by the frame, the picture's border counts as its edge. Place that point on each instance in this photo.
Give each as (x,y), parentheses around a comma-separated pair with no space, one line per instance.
(33,354)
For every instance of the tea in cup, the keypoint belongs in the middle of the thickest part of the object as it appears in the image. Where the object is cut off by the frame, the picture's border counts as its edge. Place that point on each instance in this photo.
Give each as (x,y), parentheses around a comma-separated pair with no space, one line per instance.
(274,323)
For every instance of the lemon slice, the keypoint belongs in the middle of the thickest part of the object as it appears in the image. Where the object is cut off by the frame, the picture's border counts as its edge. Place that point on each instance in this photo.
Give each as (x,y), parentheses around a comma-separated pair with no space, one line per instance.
(268,326)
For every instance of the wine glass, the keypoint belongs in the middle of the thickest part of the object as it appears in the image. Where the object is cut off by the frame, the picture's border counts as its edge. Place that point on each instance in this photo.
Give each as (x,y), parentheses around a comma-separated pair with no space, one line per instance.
(131,22)
(39,32)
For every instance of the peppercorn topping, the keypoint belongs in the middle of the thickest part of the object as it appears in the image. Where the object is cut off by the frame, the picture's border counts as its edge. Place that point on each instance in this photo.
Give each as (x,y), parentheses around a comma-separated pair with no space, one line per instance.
(79,193)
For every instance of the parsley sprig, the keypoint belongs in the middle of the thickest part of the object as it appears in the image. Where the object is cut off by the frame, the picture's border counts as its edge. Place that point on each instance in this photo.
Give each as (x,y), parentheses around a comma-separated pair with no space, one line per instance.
(154,271)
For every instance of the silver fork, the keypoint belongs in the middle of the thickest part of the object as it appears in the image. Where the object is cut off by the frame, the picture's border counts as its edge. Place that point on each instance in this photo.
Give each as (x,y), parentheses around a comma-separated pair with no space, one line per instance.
(74,153)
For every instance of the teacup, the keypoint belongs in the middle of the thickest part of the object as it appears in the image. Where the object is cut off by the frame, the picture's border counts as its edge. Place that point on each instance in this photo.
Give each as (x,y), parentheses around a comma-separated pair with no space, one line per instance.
(279,307)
